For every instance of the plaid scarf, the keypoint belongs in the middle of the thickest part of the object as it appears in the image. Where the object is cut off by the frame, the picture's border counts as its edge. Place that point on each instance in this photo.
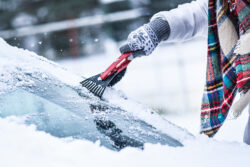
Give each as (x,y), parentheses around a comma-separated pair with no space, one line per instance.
(228,60)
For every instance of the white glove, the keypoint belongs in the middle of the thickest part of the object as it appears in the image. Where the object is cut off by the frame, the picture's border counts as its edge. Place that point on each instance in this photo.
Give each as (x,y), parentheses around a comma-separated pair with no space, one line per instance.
(146,38)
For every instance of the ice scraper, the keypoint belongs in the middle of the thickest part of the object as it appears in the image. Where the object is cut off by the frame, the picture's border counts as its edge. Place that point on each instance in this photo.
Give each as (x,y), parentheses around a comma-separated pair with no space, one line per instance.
(113,74)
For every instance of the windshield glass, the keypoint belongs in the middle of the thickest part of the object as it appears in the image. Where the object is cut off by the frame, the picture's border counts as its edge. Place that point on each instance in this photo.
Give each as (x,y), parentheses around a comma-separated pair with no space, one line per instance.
(64,111)
(50,97)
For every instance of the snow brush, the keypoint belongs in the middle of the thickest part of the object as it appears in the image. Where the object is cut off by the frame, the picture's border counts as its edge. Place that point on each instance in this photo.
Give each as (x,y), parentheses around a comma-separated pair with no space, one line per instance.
(113,74)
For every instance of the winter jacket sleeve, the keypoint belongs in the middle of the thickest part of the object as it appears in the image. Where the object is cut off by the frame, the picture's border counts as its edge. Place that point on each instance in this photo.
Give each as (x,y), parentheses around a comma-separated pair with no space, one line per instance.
(186,21)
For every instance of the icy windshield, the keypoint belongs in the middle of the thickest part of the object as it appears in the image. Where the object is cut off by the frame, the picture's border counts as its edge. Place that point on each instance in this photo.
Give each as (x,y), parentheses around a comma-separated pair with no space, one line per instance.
(65,111)
(41,93)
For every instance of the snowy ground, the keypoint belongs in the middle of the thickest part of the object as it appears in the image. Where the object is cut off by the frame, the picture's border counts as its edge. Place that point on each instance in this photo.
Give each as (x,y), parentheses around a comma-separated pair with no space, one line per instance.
(25,146)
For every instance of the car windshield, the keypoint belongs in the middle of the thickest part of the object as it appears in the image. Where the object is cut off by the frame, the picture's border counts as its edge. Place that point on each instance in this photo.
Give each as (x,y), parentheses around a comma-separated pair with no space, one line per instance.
(39,92)
(65,111)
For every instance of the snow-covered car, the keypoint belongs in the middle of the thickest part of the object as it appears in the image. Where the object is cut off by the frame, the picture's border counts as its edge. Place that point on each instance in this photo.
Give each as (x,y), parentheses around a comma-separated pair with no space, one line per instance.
(42,93)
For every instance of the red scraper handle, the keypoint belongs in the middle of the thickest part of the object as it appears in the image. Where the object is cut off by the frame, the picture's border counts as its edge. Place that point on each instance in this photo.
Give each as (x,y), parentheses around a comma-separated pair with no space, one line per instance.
(120,64)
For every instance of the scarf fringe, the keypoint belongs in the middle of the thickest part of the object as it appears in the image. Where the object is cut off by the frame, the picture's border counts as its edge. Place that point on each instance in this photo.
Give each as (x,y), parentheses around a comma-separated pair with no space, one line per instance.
(243,44)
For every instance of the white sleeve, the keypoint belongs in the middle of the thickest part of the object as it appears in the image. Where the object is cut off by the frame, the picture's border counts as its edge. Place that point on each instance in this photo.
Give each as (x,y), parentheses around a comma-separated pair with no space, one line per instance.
(186,21)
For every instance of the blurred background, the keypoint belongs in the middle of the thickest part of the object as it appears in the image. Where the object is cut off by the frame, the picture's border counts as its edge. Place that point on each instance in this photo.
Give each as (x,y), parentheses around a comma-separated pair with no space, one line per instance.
(60,29)
(85,35)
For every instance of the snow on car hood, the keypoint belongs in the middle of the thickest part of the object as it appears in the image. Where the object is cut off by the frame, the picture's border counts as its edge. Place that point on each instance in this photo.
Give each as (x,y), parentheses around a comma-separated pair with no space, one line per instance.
(14,59)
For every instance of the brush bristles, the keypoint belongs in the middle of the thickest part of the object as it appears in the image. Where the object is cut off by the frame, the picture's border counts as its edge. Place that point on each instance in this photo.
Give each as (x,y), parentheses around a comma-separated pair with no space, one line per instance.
(93,87)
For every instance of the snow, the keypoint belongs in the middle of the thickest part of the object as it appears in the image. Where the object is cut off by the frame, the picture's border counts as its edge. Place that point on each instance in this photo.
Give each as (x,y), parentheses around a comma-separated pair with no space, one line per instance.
(19,62)
(23,145)
(12,57)
(144,113)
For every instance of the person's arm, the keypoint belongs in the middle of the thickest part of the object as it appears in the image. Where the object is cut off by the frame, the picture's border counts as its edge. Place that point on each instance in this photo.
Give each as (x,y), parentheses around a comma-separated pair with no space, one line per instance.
(182,23)
(186,21)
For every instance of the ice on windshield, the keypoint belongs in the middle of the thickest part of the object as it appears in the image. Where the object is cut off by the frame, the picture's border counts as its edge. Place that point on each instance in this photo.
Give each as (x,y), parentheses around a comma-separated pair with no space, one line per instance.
(83,121)
(51,97)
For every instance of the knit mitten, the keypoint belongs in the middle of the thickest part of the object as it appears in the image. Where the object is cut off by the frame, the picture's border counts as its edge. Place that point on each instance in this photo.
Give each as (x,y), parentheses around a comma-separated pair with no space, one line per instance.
(146,38)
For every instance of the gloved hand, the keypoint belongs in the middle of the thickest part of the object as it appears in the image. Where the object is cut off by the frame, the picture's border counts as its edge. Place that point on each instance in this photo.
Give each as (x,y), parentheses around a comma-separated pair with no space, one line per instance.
(145,39)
